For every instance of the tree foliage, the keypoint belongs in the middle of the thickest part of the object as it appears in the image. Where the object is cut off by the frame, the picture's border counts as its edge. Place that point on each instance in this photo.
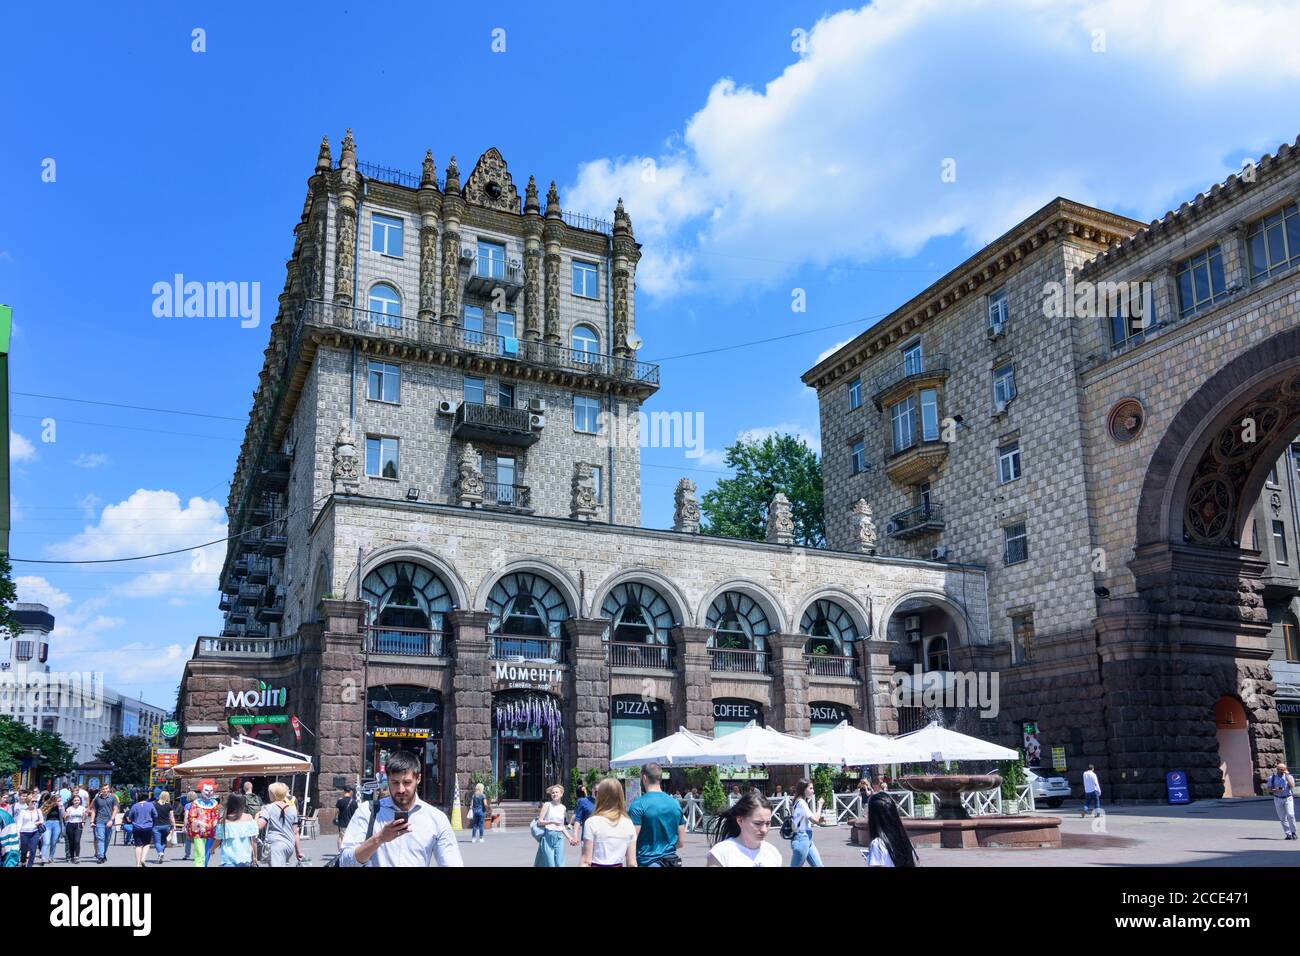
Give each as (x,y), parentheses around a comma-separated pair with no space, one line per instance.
(18,741)
(737,507)
(8,597)
(130,757)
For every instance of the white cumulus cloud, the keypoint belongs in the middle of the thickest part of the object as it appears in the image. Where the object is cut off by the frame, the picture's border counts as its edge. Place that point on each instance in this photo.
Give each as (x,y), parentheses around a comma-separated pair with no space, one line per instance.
(90,460)
(20,449)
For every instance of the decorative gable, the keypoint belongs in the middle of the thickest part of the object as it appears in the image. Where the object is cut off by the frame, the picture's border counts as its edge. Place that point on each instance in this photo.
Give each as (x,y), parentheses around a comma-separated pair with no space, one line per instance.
(490,184)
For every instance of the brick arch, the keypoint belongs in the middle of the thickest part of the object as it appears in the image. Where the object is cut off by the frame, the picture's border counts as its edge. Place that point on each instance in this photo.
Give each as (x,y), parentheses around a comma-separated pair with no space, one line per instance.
(1187,466)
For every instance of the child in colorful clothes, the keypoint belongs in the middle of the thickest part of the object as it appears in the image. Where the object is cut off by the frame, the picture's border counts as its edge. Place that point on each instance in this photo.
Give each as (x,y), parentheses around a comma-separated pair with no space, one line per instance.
(201,818)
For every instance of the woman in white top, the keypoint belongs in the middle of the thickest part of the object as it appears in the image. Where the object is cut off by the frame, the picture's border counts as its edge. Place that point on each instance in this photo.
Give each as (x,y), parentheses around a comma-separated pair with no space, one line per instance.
(890,844)
(802,847)
(551,817)
(74,817)
(608,836)
(740,835)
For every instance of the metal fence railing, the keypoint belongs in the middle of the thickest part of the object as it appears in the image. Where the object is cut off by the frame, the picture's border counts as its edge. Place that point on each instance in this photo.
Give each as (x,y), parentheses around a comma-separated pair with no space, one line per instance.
(405,641)
(738,661)
(549,649)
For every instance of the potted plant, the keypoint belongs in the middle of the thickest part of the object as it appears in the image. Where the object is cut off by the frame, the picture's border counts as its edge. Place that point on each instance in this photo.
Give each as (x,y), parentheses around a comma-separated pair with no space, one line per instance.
(824,787)
(713,797)
(922,805)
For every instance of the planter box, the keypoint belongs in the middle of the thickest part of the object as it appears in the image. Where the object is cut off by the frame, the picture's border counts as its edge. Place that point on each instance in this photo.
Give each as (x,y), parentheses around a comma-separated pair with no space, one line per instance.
(924,812)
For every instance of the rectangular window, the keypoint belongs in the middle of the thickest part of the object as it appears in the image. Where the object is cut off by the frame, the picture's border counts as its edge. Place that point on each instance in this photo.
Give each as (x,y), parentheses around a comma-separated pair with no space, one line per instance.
(585,280)
(900,419)
(1279,542)
(859,454)
(913,359)
(1272,475)
(1289,638)
(386,235)
(923,495)
(597,476)
(506,394)
(23,650)
(1004,385)
(473,325)
(505,470)
(1022,636)
(1200,281)
(475,390)
(1017,543)
(1131,315)
(491,261)
(586,415)
(385,380)
(1009,462)
(381,457)
(855,393)
(998,310)
(506,325)
(1274,242)
(929,414)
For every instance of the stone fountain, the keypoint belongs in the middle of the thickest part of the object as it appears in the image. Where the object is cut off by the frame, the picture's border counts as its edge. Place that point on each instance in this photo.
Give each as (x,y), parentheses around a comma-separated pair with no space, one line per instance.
(947,790)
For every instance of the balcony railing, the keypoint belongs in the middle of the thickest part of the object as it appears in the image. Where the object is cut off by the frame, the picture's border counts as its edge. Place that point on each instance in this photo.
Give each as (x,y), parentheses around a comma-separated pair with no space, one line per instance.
(928,365)
(470,341)
(549,649)
(265,647)
(914,522)
(259,570)
(828,665)
(405,641)
(497,495)
(249,594)
(659,656)
(476,421)
(389,175)
(738,661)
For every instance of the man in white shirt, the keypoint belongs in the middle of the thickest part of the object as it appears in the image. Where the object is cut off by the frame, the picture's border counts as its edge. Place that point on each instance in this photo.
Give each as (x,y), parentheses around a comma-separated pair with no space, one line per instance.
(407,831)
(1091,791)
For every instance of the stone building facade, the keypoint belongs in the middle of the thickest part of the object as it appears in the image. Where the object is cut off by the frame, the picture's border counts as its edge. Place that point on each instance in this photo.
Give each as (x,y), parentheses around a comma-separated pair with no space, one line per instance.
(410,595)
(1085,407)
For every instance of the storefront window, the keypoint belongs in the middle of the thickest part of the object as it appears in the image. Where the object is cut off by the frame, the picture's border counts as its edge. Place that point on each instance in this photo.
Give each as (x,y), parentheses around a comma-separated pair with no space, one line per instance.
(824,716)
(634,723)
(409,719)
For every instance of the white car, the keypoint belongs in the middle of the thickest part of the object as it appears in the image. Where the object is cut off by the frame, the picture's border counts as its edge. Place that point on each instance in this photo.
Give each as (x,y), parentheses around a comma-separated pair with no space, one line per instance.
(1048,786)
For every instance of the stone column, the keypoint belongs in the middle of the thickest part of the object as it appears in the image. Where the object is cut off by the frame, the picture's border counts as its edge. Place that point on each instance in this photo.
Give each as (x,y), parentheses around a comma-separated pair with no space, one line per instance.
(695,709)
(533,230)
(553,235)
(430,201)
(345,229)
(625,255)
(453,209)
(877,686)
(467,730)
(339,719)
(789,684)
(1236,257)
(586,702)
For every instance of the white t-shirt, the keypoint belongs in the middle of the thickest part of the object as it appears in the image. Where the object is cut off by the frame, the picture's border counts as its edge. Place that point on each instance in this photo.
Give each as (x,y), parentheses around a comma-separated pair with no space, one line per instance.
(878,854)
(554,816)
(734,853)
(609,840)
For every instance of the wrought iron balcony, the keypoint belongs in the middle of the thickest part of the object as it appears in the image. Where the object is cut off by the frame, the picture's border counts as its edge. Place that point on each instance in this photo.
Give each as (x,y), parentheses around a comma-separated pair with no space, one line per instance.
(550,650)
(830,665)
(238,614)
(274,542)
(229,630)
(494,424)
(259,570)
(489,273)
(255,630)
(226,603)
(906,372)
(512,497)
(915,522)
(738,661)
(240,568)
(274,474)
(249,595)
(271,608)
(405,641)
(658,656)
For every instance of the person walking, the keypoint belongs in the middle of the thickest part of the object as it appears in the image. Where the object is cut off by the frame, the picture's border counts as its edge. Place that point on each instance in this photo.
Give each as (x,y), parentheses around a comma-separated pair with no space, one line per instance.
(802,848)
(479,808)
(657,817)
(582,810)
(739,836)
(201,818)
(252,802)
(103,809)
(74,818)
(31,823)
(344,809)
(890,844)
(1091,791)
(414,833)
(164,821)
(551,817)
(141,817)
(1282,785)
(9,840)
(52,813)
(236,835)
(608,836)
(182,812)
(278,822)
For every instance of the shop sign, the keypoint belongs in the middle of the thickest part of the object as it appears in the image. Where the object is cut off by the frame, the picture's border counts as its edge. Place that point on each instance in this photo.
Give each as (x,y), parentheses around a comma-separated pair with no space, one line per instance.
(263,696)
(735,710)
(1290,708)
(169,728)
(636,707)
(248,720)
(520,677)
(402,733)
(1058,758)
(828,713)
(166,758)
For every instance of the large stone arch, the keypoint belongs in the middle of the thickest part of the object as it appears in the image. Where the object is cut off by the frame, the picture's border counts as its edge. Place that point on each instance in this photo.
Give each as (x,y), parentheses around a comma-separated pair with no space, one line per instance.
(765,599)
(533,565)
(670,591)
(419,555)
(846,599)
(954,611)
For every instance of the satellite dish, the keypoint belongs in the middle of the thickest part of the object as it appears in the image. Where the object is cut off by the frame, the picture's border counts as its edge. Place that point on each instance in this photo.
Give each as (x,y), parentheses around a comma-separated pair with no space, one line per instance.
(633,341)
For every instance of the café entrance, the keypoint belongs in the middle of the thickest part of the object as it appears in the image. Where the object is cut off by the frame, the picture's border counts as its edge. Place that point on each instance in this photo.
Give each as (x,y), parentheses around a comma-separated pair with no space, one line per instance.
(527,744)
(521,769)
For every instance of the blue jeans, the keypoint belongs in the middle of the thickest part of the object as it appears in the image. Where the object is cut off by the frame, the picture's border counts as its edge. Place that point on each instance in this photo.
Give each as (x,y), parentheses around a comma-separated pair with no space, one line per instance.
(476,824)
(803,849)
(550,852)
(160,839)
(50,839)
(103,839)
(1091,801)
(29,843)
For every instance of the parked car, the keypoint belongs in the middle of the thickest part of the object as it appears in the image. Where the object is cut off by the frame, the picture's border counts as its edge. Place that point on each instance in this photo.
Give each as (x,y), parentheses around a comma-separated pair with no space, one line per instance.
(1048,786)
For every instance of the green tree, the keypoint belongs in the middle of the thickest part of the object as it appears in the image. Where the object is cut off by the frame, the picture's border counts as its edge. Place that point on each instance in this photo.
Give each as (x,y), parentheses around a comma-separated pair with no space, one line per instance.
(130,757)
(823,782)
(737,507)
(18,742)
(8,597)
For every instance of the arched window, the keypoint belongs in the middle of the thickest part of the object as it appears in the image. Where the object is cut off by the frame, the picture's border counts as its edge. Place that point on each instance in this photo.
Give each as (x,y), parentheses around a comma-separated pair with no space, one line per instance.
(639,613)
(829,628)
(936,654)
(386,303)
(585,343)
(406,595)
(527,605)
(738,623)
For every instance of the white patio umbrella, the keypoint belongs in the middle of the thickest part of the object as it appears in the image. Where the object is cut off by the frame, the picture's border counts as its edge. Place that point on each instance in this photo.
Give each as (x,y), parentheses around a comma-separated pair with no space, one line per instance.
(675,750)
(941,744)
(846,745)
(241,759)
(752,745)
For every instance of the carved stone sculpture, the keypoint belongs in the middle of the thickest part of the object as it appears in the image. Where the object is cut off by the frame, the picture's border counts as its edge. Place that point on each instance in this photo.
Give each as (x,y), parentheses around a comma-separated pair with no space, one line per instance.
(470,483)
(584,491)
(780,521)
(344,473)
(862,528)
(686,509)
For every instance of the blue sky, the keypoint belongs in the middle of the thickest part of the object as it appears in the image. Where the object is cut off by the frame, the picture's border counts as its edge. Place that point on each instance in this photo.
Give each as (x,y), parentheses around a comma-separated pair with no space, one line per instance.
(760,149)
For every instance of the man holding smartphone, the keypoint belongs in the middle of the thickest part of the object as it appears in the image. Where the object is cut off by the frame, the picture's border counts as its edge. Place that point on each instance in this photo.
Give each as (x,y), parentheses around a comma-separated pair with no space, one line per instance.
(406,830)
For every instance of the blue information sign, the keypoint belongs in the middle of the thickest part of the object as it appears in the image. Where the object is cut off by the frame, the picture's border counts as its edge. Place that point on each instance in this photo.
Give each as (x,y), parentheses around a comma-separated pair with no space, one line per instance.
(1176,785)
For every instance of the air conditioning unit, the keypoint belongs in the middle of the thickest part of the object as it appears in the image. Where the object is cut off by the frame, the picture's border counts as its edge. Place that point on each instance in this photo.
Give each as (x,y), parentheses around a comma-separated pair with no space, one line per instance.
(537,405)
(913,637)
(891,527)
(912,622)
(996,328)
(939,554)
(468,253)
(536,422)
(999,406)
(447,408)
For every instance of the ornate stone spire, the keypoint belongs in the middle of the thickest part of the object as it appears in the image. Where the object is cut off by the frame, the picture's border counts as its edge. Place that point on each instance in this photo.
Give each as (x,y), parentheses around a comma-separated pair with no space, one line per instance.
(584,491)
(622,221)
(348,158)
(530,197)
(862,528)
(780,521)
(553,202)
(344,474)
(452,182)
(469,485)
(686,509)
(324,161)
(429,174)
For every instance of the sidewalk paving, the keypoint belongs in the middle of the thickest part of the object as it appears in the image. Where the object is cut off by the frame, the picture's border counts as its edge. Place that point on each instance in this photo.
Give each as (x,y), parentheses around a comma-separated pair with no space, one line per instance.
(1242,832)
